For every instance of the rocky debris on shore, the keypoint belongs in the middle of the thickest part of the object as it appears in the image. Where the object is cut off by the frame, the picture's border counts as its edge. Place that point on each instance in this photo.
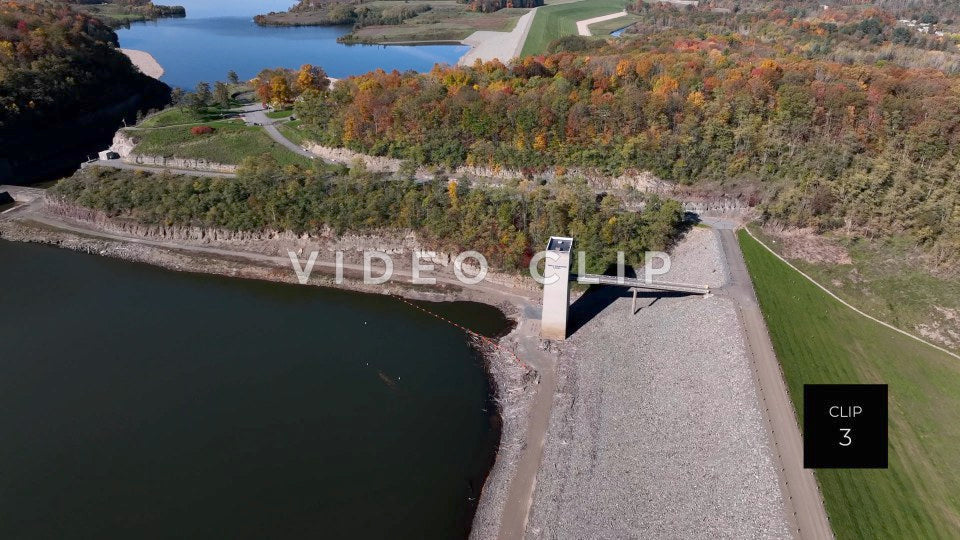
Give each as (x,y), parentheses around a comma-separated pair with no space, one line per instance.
(657,429)
(697,259)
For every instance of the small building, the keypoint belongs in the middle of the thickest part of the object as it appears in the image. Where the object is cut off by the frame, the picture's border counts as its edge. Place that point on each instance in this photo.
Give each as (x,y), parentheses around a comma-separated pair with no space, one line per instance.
(556,288)
(108,154)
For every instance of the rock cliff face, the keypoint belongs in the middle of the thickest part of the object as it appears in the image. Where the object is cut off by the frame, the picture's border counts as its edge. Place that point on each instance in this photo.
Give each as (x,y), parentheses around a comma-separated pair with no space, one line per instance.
(123,143)
(400,245)
(178,163)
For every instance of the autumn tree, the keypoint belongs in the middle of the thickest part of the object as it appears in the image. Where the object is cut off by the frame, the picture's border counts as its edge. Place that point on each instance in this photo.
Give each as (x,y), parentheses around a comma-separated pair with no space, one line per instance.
(279,91)
(311,78)
(221,94)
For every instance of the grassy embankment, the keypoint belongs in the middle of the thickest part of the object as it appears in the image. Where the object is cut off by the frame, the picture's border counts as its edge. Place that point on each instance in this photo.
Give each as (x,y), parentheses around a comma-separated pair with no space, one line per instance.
(556,21)
(819,340)
(606,28)
(446,20)
(282,113)
(295,132)
(889,279)
(168,134)
(117,15)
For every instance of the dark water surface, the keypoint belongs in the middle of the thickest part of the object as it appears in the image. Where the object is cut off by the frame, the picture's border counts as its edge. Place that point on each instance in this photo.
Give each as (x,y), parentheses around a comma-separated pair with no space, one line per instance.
(141,403)
(220,35)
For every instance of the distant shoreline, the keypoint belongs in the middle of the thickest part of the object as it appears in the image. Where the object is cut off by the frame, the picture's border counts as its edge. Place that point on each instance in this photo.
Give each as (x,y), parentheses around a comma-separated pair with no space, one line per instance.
(145,62)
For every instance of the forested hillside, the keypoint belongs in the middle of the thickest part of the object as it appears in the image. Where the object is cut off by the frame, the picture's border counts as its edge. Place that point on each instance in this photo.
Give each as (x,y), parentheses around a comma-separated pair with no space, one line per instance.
(506,224)
(62,83)
(872,148)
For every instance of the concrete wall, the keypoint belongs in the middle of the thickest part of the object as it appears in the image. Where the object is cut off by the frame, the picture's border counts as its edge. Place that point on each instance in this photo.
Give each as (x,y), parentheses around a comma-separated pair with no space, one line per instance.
(556,295)
(180,163)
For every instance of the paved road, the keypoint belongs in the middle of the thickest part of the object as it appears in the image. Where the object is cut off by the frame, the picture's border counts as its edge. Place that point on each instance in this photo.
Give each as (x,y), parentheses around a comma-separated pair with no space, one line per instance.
(486,45)
(118,164)
(583,27)
(256,114)
(804,503)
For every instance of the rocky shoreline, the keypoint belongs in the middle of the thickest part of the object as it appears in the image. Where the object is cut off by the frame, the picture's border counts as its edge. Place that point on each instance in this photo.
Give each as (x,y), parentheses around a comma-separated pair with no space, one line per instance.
(513,384)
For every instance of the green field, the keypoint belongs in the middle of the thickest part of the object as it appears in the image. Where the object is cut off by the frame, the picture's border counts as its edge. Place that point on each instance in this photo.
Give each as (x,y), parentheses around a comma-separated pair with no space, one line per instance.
(229,144)
(175,116)
(282,113)
(889,278)
(294,131)
(819,340)
(607,27)
(555,21)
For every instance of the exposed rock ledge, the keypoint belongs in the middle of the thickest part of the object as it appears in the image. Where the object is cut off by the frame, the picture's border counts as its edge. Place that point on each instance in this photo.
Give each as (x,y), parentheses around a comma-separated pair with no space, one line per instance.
(180,163)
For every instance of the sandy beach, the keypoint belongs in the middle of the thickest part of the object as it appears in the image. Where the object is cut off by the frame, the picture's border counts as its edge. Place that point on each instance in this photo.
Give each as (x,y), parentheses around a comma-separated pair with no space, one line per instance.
(145,62)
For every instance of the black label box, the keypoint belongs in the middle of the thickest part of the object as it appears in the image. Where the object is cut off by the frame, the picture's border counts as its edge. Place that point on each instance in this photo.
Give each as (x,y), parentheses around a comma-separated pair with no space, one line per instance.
(845,426)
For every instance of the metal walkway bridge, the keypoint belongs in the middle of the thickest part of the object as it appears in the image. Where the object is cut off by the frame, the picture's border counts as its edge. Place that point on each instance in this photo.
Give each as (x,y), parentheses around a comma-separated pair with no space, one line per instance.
(636,283)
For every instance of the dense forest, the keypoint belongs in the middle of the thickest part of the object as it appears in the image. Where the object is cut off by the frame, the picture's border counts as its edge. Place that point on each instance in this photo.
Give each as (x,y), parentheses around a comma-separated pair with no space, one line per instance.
(505,223)
(872,148)
(63,82)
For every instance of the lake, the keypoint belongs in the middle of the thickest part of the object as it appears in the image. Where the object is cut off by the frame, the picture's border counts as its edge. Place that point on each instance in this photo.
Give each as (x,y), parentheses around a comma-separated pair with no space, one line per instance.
(137,402)
(217,36)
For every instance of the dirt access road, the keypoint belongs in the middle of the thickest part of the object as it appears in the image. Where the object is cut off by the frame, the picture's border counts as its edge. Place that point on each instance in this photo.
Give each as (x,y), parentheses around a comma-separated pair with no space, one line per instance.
(804,502)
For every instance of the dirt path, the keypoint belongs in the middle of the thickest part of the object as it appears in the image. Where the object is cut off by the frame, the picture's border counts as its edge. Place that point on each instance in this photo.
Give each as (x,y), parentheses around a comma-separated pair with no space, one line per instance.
(583,27)
(516,511)
(804,503)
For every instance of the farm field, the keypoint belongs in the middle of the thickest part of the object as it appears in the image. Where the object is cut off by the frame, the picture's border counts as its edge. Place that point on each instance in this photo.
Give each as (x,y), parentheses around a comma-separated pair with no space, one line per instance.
(819,340)
(555,21)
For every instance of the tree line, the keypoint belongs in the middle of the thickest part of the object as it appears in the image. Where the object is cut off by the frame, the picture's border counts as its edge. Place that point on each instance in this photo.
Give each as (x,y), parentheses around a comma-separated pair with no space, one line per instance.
(507,224)
(871,148)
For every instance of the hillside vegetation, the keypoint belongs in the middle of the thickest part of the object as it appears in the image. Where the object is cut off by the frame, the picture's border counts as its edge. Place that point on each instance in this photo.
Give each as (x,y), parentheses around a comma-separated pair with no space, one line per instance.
(819,340)
(123,12)
(867,148)
(503,223)
(63,83)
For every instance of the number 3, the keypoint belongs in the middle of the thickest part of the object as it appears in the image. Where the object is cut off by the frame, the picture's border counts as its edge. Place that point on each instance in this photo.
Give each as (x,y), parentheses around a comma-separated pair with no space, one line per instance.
(846,435)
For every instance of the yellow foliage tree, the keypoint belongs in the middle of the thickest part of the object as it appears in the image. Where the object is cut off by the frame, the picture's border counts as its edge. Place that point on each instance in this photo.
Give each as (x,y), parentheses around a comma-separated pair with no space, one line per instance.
(665,85)
(279,90)
(306,78)
(452,192)
(540,141)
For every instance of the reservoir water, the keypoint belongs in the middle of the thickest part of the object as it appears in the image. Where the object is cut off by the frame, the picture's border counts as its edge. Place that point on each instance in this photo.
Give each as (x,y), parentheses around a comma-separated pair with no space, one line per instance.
(220,35)
(137,402)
